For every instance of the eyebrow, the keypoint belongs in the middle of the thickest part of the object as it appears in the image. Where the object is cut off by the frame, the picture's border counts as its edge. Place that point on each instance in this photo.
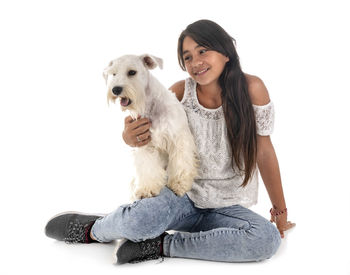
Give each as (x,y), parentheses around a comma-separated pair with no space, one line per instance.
(184,52)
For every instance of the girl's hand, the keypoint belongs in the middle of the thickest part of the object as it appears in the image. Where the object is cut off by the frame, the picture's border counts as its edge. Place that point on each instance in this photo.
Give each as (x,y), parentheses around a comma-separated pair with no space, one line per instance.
(136,132)
(282,223)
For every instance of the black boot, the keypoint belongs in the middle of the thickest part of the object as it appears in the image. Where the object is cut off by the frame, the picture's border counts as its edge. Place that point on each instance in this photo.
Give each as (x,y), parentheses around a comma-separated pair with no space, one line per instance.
(71,227)
(130,252)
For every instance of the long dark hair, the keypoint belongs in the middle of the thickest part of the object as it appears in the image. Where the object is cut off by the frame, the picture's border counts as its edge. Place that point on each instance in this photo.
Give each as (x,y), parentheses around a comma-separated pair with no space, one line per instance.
(236,103)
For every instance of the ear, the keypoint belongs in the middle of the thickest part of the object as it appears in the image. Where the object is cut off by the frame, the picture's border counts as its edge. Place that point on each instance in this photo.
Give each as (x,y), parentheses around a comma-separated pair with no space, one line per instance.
(105,71)
(151,61)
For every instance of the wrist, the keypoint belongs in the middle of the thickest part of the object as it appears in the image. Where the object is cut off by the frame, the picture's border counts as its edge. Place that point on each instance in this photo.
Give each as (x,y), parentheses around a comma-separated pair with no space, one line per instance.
(278,211)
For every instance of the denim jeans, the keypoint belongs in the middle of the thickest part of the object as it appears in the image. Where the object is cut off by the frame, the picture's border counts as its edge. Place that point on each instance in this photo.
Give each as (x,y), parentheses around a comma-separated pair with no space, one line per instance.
(229,234)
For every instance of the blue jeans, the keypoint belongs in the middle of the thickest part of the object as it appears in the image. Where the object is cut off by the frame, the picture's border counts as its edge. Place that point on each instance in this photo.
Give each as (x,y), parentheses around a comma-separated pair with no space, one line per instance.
(229,234)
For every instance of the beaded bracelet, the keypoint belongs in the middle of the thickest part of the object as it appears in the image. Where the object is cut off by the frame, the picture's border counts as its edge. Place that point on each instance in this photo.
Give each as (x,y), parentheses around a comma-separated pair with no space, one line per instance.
(277,213)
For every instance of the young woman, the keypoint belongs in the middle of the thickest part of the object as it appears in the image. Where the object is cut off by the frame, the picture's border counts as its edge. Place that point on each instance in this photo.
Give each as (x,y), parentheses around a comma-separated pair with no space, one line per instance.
(231,117)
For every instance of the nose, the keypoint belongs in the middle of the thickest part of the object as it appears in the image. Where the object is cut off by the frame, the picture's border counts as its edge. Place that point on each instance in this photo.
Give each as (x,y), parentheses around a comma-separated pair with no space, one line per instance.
(197,61)
(117,90)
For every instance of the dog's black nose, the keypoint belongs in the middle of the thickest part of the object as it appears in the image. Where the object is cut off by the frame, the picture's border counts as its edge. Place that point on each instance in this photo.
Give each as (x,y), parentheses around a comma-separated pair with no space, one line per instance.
(117,90)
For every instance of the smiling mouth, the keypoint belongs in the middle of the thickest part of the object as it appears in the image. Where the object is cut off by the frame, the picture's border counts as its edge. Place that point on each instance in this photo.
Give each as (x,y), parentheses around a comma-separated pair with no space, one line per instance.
(201,72)
(125,101)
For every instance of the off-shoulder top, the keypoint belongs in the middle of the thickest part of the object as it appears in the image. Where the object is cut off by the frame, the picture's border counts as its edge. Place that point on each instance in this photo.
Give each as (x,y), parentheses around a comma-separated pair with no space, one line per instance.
(218,183)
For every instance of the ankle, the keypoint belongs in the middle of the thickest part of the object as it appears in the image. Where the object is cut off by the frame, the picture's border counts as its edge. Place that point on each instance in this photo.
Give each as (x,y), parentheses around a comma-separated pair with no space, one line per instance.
(92,236)
(89,237)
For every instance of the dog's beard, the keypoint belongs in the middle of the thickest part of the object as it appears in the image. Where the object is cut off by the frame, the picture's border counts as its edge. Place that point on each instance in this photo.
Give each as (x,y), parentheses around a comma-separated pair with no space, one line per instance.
(129,100)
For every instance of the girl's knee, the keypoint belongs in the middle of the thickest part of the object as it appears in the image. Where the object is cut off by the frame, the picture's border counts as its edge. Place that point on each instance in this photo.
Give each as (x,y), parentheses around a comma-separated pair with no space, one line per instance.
(270,241)
(276,240)
(144,225)
(145,219)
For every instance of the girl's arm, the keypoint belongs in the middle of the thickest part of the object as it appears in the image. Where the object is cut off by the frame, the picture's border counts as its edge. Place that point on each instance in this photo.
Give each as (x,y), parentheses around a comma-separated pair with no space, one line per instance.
(270,172)
(267,159)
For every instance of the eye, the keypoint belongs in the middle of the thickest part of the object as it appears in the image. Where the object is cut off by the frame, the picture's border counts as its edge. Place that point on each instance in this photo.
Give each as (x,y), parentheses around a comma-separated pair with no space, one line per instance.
(186,58)
(131,73)
(203,51)
(114,74)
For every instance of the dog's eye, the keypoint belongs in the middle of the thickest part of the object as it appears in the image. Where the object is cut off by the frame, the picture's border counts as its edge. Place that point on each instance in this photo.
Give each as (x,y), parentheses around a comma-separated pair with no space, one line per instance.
(131,72)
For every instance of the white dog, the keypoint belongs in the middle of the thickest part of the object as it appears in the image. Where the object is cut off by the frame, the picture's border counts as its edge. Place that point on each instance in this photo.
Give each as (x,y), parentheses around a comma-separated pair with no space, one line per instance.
(170,158)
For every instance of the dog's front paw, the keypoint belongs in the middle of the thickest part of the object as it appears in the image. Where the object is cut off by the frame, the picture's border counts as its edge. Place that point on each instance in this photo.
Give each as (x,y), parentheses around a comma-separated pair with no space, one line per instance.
(142,193)
(180,193)
(179,188)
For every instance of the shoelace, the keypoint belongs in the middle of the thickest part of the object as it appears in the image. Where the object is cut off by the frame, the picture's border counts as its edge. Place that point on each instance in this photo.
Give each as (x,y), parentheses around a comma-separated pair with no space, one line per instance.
(76,232)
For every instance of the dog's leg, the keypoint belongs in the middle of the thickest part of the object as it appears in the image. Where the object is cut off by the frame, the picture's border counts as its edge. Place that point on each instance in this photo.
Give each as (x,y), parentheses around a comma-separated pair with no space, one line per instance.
(150,173)
(182,166)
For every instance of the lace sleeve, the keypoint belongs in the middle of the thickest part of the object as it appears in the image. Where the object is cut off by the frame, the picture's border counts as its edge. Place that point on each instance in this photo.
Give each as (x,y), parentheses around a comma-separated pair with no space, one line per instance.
(265,118)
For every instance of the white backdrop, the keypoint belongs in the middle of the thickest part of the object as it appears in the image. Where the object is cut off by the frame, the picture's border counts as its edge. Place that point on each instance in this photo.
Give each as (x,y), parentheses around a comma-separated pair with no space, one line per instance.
(61,146)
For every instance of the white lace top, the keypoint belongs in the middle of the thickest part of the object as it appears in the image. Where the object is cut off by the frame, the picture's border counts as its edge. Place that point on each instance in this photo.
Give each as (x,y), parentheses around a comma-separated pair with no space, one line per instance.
(218,184)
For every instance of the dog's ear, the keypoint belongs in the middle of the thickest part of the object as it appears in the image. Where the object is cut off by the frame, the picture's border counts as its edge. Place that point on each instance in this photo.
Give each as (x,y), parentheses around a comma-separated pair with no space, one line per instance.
(151,61)
(105,71)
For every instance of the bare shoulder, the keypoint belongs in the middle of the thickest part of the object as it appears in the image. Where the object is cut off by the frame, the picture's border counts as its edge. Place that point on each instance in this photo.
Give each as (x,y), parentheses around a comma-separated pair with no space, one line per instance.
(178,88)
(257,90)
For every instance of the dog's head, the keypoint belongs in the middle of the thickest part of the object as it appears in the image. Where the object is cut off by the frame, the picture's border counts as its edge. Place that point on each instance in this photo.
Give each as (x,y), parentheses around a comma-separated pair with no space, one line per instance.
(127,79)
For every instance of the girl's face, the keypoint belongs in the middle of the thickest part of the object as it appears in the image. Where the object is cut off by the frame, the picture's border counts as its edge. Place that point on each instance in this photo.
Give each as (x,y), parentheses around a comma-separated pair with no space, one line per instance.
(204,65)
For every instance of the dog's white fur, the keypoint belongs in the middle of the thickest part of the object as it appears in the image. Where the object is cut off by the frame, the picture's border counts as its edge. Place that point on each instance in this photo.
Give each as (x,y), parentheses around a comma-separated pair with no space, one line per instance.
(170,158)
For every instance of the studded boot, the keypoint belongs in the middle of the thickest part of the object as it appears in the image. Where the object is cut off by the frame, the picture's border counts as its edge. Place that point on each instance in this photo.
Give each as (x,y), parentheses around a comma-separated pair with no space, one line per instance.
(134,252)
(71,227)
